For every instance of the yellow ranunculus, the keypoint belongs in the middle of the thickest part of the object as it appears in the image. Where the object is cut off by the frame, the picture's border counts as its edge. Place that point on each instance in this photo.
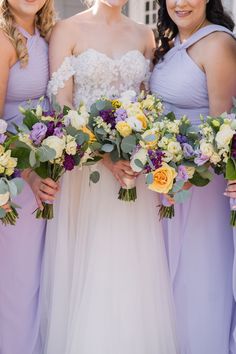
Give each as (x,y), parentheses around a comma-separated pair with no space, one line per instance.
(124,128)
(163,179)
(92,137)
(143,120)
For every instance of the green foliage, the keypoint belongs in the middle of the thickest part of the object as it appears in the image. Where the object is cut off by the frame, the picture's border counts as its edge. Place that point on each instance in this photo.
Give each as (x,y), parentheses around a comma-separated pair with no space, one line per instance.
(198,180)
(149,178)
(30,119)
(128,144)
(94,177)
(230,169)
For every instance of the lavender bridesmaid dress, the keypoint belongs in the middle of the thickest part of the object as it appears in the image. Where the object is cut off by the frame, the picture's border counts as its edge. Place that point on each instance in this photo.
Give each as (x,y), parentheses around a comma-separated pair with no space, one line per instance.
(199,239)
(21,246)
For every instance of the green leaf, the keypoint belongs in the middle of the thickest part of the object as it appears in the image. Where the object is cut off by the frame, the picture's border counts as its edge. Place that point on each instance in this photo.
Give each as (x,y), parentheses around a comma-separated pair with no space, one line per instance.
(128,144)
(3,186)
(230,169)
(102,105)
(94,177)
(139,163)
(198,180)
(71,130)
(32,158)
(22,154)
(182,196)
(149,178)
(2,213)
(81,138)
(178,186)
(43,170)
(65,110)
(107,147)
(12,189)
(45,153)
(114,155)
(19,183)
(30,119)
(96,146)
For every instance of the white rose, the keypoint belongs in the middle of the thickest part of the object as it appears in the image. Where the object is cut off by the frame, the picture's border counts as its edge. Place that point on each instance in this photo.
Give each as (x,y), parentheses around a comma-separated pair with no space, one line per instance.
(167,157)
(134,123)
(4,198)
(140,155)
(206,148)
(77,120)
(127,96)
(71,145)
(215,158)
(56,144)
(224,136)
(3,126)
(174,147)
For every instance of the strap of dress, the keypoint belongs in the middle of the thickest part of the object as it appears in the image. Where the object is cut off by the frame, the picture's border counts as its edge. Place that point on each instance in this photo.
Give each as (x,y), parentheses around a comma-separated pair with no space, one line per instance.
(203,32)
(59,78)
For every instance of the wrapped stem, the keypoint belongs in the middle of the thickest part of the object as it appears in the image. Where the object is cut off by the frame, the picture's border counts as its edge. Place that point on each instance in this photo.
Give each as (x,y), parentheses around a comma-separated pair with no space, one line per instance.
(166,212)
(11,217)
(128,193)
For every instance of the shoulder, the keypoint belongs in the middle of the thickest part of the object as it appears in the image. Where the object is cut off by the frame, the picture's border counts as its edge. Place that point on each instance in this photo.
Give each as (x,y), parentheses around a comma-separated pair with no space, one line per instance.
(220,44)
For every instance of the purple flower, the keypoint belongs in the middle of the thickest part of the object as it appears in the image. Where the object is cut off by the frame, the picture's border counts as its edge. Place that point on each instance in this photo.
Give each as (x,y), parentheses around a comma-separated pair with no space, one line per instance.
(182,173)
(17,173)
(50,129)
(200,159)
(187,150)
(58,132)
(121,115)
(69,162)
(108,117)
(156,160)
(38,133)
(2,138)
(181,139)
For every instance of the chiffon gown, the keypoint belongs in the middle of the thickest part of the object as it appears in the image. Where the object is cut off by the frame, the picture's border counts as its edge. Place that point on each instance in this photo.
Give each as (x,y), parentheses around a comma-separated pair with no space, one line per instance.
(21,246)
(199,238)
(106,285)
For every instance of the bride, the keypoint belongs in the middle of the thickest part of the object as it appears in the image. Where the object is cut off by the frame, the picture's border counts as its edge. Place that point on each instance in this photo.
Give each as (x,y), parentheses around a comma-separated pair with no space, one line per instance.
(105,286)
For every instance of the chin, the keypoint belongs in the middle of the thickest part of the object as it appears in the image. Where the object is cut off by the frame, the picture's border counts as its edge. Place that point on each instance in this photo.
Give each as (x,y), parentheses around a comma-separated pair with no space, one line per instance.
(116,3)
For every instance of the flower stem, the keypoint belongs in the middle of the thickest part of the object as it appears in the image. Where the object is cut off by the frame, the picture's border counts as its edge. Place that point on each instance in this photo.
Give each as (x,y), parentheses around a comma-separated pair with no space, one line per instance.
(127,195)
(233,218)
(166,212)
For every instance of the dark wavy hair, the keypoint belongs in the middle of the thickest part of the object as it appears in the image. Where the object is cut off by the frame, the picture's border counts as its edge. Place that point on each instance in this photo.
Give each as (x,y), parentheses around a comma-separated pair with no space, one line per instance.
(167,29)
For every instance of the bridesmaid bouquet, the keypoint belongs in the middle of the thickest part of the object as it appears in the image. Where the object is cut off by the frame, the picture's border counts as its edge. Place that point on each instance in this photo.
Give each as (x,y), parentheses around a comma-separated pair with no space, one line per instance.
(119,124)
(10,184)
(51,143)
(170,155)
(218,135)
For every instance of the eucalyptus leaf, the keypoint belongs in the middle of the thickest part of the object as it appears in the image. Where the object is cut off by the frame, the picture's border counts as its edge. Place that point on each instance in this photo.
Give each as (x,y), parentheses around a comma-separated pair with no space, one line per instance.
(178,186)
(2,213)
(182,196)
(107,147)
(94,177)
(32,158)
(3,186)
(12,189)
(71,130)
(46,153)
(128,144)
(149,178)
(19,183)
(139,163)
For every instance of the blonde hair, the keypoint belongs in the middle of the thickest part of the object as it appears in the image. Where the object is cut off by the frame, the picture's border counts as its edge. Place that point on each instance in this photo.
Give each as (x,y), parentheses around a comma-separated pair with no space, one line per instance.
(45,19)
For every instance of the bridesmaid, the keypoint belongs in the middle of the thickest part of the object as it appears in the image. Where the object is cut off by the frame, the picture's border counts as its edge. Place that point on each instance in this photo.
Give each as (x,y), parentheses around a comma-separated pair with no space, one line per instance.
(195,73)
(24,25)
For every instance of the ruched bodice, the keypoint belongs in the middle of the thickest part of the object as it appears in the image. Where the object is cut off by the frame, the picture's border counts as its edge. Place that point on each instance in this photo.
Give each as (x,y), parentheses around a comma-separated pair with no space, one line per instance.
(95,74)
(30,82)
(180,82)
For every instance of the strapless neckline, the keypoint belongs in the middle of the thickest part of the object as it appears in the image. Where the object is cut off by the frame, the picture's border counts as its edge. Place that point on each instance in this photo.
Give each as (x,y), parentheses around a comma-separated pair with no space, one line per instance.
(121,57)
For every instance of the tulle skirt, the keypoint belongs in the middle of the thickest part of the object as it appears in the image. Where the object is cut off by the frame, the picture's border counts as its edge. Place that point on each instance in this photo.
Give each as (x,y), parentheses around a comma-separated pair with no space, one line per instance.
(105,286)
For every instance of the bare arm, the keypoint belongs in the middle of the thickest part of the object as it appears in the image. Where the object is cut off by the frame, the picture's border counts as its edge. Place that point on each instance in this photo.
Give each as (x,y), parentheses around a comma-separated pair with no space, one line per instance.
(60,47)
(220,68)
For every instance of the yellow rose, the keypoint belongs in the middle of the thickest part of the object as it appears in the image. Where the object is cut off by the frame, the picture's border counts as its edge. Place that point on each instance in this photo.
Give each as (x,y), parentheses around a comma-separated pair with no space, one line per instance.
(9,171)
(12,162)
(116,103)
(143,120)
(124,128)
(92,137)
(163,179)
(148,103)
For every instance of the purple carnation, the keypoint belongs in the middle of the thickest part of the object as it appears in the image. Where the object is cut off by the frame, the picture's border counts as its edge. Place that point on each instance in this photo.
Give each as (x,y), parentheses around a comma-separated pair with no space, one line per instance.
(187,150)
(121,115)
(50,129)
(156,160)
(182,173)
(181,138)
(38,133)
(2,138)
(201,159)
(69,162)
(58,132)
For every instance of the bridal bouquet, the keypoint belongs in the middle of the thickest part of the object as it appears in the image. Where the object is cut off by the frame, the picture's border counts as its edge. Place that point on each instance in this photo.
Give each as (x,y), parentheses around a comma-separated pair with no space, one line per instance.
(171,156)
(10,184)
(218,135)
(51,143)
(119,124)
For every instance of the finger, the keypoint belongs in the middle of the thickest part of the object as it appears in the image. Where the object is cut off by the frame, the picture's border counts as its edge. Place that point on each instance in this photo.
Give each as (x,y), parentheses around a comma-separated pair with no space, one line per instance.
(231,183)
(230,194)
(231,188)
(120,180)
(46,197)
(49,182)
(38,200)
(47,190)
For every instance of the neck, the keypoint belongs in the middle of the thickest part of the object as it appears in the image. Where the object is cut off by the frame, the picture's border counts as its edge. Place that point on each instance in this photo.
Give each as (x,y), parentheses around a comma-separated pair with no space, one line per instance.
(27,23)
(106,13)
(185,34)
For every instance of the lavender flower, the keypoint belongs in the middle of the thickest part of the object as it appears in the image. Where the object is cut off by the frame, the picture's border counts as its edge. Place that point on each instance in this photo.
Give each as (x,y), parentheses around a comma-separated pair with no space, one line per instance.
(58,132)
(181,139)
(108,117)
(182,174)
(200,159)
(188,150)
(2,138)
(121,115)
(69,162)
(38,133)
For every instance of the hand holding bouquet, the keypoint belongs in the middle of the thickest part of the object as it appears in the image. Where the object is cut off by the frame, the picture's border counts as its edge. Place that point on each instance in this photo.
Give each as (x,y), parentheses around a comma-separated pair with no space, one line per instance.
(118,125)
(51,143)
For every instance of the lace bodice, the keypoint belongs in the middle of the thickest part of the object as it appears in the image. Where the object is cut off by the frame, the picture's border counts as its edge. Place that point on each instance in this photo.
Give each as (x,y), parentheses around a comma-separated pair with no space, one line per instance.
(95,74)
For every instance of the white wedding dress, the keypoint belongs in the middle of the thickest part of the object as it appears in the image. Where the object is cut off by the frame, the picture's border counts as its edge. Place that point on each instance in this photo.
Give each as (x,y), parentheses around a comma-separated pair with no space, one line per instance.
(105,286)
